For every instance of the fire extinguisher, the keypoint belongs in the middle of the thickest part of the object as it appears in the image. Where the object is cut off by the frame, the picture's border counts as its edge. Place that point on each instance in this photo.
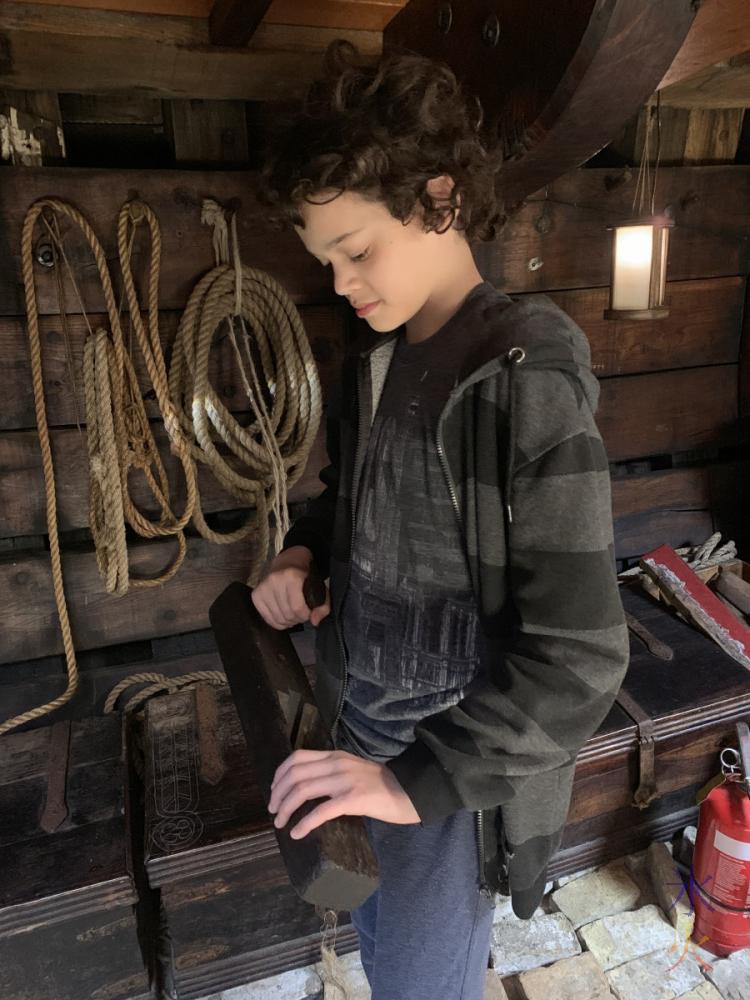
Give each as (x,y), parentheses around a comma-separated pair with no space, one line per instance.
(721,858)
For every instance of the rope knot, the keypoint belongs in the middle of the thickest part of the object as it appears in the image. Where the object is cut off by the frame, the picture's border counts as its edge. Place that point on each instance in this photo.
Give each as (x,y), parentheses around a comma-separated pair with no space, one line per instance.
(136,212)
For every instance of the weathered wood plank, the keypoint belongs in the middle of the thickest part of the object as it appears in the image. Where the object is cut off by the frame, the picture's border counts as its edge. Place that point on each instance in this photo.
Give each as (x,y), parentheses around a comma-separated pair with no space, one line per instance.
(31,128)
(639,533)
(639,415)
(703,328)
(669,489)
(720,30)
(368,15)
(176,198)
(38,681)
(91,109)
(723,85)
(714,134)
(324,326)
(207,132)
(681,506)
(115,52)
(567,232)
(711,206)
(30,625)
(666,412)
(22,498)
(234,22)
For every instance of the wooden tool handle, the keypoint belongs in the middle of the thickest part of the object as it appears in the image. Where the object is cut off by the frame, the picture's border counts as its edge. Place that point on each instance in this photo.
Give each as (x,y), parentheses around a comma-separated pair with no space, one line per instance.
(334,864)
(314,589)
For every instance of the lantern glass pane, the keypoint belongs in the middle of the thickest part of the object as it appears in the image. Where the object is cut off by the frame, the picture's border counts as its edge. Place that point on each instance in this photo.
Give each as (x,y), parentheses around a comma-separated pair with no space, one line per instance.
(632,267)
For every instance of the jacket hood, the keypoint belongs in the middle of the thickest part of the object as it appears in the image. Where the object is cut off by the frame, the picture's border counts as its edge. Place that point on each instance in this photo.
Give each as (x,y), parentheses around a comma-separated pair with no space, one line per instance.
(549,338)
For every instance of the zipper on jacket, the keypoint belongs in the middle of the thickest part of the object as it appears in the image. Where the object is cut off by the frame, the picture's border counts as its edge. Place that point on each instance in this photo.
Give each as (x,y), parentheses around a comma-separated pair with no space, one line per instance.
(484,888)
(478,817)
(339,636)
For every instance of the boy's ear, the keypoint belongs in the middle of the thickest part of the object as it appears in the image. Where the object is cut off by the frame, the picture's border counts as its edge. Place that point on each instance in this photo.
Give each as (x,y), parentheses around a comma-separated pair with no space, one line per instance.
(440,187)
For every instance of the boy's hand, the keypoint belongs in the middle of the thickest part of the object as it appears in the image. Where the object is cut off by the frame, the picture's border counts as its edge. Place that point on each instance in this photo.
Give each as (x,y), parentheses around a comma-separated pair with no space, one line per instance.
(279,596)
(355,787)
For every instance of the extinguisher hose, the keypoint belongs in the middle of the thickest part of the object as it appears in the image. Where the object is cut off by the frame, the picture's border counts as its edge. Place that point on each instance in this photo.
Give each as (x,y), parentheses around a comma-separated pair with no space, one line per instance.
(687,870)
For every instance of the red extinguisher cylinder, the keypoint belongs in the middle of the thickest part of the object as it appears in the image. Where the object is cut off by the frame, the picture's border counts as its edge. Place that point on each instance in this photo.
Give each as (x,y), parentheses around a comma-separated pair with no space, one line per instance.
(721,869)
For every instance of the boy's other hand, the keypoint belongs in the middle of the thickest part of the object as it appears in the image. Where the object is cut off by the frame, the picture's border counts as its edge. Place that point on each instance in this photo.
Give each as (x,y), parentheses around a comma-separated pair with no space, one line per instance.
(353,786)
(278,597)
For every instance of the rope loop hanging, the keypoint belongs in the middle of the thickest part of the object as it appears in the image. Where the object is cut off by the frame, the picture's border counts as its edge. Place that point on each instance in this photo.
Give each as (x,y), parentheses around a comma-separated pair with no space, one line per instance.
(257,463)
(119,436)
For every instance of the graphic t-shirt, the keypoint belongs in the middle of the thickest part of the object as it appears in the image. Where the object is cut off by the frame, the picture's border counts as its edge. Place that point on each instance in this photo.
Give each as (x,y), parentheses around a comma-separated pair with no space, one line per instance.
(409,617)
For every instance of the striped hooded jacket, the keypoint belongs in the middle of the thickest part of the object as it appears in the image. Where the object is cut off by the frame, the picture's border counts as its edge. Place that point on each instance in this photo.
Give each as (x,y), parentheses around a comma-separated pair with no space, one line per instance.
(529,479)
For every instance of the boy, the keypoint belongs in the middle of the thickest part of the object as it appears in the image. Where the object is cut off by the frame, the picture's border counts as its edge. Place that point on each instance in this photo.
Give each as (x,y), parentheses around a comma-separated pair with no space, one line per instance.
(473,637)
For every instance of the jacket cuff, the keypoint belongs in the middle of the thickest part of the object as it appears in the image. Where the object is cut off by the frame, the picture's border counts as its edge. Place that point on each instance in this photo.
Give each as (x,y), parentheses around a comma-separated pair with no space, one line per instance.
(298,534)
(425,782)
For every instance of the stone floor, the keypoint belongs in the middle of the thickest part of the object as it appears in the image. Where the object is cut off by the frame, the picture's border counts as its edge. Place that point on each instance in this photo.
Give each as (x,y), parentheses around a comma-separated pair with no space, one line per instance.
(620,930)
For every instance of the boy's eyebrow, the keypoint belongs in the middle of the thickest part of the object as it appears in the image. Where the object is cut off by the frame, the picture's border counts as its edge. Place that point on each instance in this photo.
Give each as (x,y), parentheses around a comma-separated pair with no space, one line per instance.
(340,238)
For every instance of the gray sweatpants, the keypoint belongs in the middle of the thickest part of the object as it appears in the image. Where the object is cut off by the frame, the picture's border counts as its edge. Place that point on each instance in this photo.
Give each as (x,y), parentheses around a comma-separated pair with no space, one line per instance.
(425,932)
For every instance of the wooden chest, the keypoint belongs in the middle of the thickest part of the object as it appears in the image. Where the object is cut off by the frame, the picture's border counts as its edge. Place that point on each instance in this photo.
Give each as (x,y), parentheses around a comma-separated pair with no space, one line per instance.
(688,706)
(67,921)
(211,849)
(231,914)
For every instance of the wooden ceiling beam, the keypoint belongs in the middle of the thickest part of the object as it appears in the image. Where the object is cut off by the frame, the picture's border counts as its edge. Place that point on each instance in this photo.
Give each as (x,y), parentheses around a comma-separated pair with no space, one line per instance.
(103,52)
(234,22)
(725,85)
(363,15)
(557,84)
(721,29)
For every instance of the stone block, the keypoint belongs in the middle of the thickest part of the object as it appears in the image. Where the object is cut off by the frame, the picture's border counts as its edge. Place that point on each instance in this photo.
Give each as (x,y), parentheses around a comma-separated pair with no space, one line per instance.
(577,978)
(297,984)
(564,879)
(608,890)
(493,987)
(504,908)
(652,976)
(731,976)
(706,991)
(671,891)
(518,945)
(625,936)
(352,977)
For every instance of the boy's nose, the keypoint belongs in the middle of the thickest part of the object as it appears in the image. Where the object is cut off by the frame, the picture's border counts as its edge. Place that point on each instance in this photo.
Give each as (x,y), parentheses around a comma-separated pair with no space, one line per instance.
(343,283)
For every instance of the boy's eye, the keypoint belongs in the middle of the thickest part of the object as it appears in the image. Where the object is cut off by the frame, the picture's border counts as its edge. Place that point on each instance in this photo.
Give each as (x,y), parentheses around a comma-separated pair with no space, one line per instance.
(361,256)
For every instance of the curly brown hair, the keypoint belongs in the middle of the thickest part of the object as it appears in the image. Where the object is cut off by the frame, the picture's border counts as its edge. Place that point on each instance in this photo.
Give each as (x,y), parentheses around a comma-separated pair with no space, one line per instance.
(383,131)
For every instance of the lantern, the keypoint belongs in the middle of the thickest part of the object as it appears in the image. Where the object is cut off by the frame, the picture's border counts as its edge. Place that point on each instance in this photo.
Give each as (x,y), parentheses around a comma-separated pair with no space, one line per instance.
(639,268)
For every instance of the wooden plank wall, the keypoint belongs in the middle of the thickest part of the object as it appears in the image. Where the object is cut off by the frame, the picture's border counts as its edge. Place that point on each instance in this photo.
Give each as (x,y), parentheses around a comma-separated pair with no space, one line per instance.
(675,394)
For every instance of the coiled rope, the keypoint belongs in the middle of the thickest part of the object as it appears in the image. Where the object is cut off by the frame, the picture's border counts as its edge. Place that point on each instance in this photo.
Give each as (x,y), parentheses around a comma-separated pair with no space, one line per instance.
(109,433)
(158,684)
(708,553)
(234,299)
(119,436)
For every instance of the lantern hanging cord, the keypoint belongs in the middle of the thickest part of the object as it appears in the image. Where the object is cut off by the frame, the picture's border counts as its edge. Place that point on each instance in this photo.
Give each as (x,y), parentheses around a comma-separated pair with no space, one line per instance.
(644,180)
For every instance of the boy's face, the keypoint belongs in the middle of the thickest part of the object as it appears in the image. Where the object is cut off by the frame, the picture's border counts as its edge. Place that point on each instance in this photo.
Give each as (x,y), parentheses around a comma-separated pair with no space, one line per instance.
(383,261)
